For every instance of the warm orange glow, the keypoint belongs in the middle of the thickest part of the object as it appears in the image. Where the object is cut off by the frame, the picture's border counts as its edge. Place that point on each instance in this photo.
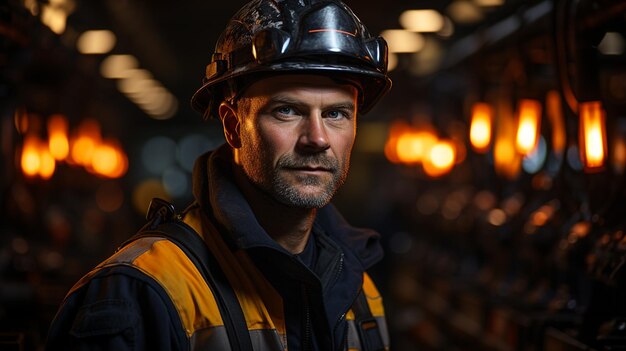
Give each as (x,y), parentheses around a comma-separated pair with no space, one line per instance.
(507,161)
(480,128)
(619,154)
(82,150)
(36,159)
(30,160)
(554,111)
(592,131)
(414,146)
(85,142)
(57,137)
(529,122)
(440,159)
(47,164)
(122,165)
(391,146)
(109,160)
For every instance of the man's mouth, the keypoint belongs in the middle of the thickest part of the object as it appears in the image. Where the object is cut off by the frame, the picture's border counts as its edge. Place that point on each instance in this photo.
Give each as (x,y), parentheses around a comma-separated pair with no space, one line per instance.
(311,169)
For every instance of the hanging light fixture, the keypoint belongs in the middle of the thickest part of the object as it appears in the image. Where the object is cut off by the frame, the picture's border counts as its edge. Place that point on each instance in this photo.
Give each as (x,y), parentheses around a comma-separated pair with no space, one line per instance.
(440,159)
(529,122)
(592,135)
(481,127)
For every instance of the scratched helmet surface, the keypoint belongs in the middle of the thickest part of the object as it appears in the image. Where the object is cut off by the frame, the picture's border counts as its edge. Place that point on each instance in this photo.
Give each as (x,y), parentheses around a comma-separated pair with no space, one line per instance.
(295,36)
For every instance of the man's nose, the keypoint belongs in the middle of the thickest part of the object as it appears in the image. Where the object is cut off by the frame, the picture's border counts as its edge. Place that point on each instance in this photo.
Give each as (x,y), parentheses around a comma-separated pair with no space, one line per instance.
(314,135)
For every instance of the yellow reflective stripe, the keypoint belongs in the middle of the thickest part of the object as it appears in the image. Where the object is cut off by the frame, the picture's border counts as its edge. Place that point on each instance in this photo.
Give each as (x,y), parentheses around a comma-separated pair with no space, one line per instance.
(260,302)
(170,267)
(374,300)
(350,315)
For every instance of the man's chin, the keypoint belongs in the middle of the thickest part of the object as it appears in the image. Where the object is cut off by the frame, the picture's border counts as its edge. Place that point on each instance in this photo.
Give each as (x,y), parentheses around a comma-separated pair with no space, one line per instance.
(315,198)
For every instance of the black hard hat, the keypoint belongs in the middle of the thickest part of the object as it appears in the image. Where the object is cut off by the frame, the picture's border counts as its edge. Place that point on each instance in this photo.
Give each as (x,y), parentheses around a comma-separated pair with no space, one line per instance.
(295,36)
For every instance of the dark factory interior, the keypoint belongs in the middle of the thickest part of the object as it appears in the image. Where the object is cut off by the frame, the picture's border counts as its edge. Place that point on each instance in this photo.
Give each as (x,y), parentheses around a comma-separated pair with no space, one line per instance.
(494,170)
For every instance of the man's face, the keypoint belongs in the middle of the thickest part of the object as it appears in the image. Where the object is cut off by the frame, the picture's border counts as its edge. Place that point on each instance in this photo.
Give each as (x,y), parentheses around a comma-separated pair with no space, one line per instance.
(296,133)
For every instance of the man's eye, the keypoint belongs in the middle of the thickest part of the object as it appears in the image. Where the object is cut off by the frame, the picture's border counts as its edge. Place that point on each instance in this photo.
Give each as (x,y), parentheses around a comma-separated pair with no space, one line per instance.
(336,114)
(286,110)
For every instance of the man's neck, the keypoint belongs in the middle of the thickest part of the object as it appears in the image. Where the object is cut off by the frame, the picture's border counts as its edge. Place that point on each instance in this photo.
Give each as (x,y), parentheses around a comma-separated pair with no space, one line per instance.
(289,226)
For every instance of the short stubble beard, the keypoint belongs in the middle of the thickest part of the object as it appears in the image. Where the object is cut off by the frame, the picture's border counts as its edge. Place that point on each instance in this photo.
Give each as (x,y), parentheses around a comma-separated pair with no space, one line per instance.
(278,181)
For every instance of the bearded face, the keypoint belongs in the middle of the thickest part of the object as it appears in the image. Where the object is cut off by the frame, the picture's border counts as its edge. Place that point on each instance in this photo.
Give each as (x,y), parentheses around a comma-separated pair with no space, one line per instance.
(296,134)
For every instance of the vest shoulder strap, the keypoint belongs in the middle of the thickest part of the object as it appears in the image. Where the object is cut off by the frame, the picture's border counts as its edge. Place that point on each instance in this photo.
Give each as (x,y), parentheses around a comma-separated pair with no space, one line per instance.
(163,221)
(366,324)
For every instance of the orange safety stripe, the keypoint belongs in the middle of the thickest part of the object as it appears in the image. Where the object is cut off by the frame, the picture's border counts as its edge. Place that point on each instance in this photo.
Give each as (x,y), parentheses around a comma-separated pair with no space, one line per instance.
(260,302)
(170,266)
(374,300)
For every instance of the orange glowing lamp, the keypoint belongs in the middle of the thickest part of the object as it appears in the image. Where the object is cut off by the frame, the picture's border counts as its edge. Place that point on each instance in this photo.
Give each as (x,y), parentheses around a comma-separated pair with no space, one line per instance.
(529,122)
(109,160)
(413,147)
(30,160)
(391,146)
(47,163)
(85,142)
(481,126)
(57,137)
(592,135)
(36,159)
(440,159)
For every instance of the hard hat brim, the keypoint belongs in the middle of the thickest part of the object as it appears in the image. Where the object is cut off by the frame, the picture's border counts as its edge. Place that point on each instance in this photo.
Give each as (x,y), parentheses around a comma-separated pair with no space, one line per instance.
(374,84)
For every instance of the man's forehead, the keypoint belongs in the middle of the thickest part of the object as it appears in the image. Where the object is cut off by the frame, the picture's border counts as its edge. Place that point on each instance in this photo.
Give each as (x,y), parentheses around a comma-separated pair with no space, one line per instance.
(293,82)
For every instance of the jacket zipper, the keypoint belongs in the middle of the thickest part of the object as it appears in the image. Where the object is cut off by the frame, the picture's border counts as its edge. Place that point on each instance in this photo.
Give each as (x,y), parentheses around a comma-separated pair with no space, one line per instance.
(342,317)
(339,270)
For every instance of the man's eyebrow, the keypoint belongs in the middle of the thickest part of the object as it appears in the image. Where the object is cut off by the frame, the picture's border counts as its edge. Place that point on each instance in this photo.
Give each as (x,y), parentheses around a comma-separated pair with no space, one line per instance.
(281,99)
(342,105)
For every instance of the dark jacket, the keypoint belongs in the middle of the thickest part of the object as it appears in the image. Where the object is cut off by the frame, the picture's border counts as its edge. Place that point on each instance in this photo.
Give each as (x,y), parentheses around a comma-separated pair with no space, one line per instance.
(148,296)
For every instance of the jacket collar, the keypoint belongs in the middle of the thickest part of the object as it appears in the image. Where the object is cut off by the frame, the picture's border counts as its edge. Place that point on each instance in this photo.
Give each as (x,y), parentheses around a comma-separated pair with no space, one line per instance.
(215,190)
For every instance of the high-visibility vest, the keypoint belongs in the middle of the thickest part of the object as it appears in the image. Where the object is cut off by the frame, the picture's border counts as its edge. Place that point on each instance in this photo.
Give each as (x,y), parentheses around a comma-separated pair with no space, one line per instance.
(165,262)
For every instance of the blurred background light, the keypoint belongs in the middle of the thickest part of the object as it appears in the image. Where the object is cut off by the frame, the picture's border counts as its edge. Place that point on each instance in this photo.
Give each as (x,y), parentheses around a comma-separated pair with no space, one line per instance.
(496,217)
(392,61)
(488,3)
(440,158)
(96,42)
(118,66)
(402,41)
(190,147)
(421,20)
(612,44)
(448,28)
(175,181)
(414,146)
(507,161)
(145,191)
(592,130)
(480,127)
(54,14)
(529,124)
(464,12)
(534,161)
(135,81)
(158,154)
(58,137)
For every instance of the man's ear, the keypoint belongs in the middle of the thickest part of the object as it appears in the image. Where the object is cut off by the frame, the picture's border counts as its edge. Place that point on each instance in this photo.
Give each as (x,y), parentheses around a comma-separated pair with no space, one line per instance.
(230,121)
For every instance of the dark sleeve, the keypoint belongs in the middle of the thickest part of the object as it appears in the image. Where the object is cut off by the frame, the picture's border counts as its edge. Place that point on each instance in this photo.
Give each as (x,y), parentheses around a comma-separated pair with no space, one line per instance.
(118,309)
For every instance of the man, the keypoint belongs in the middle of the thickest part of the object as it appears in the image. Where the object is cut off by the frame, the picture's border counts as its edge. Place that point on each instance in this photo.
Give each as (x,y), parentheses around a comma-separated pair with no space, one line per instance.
(287,79)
